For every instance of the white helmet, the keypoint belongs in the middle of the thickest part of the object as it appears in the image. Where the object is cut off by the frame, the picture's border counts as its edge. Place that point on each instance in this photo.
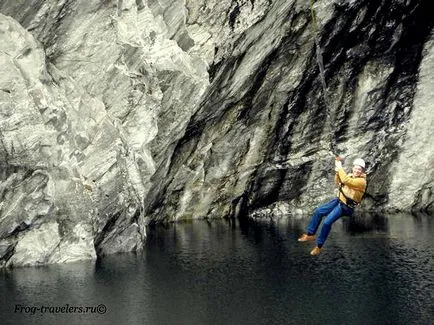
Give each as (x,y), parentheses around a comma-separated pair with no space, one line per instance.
(359,162)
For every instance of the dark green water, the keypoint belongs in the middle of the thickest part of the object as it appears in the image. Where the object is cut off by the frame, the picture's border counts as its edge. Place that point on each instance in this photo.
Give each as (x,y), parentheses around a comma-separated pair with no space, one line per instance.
(376,272)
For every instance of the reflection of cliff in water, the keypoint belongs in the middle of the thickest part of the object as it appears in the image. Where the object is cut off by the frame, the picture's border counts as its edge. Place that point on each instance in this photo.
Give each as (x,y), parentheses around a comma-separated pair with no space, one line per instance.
(246,272)
(369,222)
(365,222)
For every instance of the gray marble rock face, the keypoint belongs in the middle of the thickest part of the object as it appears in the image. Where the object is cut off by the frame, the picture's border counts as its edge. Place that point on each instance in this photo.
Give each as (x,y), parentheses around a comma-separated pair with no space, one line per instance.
(118,114)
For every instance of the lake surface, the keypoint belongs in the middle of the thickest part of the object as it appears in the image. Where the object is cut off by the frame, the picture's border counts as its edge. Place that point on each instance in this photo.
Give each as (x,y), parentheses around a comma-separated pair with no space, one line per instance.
(379,271)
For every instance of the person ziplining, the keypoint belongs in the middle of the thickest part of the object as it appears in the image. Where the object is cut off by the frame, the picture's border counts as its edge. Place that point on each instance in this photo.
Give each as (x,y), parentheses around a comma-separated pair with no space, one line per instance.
(352,188)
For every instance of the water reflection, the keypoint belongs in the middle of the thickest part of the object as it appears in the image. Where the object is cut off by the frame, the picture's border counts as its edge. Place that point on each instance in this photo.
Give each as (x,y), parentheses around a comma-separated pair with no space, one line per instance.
(374,269)
(365,223)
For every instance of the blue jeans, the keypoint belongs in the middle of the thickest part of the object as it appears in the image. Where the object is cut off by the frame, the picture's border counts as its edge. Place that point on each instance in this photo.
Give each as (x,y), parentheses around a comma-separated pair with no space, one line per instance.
(334,209)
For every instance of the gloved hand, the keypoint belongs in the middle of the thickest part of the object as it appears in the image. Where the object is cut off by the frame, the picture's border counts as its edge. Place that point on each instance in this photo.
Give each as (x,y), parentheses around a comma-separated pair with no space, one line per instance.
(338,165)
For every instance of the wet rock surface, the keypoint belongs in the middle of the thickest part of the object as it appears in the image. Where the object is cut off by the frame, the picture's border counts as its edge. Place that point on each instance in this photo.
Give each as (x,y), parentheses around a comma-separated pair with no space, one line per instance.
(118,114)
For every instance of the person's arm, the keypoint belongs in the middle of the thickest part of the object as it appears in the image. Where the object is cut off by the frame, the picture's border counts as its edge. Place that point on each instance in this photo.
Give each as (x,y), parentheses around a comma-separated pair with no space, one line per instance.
(338,165)
(337,179)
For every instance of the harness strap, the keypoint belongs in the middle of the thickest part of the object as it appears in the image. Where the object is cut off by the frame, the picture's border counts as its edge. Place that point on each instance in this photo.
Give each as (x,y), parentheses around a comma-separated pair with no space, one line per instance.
(350,201)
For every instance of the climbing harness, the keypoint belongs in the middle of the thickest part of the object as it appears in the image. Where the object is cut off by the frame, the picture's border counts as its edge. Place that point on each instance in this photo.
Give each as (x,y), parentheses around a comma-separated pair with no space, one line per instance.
(319,60)
(350,202)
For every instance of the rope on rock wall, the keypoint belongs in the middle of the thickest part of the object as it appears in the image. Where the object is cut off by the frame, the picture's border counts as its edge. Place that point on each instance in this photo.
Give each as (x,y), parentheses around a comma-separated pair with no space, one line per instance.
(319,60)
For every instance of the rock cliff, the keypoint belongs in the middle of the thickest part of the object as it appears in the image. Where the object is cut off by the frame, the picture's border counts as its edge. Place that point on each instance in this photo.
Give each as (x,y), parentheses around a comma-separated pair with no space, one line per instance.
(118,114)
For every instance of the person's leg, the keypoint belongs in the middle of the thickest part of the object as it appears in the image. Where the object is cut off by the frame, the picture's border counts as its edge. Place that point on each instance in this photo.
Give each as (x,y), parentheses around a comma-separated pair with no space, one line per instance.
(320,212)
(334,215)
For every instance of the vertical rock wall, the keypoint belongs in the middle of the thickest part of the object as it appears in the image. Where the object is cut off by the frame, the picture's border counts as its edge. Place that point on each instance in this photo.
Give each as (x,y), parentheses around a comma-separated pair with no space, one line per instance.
(116,114)
(413,170)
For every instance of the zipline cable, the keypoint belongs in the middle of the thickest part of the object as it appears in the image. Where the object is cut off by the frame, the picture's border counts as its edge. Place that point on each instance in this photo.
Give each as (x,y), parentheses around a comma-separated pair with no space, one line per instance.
(319,60)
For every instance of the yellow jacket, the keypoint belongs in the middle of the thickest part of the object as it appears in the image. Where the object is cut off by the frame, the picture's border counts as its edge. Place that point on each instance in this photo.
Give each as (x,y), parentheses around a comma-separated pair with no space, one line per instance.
(353,187)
